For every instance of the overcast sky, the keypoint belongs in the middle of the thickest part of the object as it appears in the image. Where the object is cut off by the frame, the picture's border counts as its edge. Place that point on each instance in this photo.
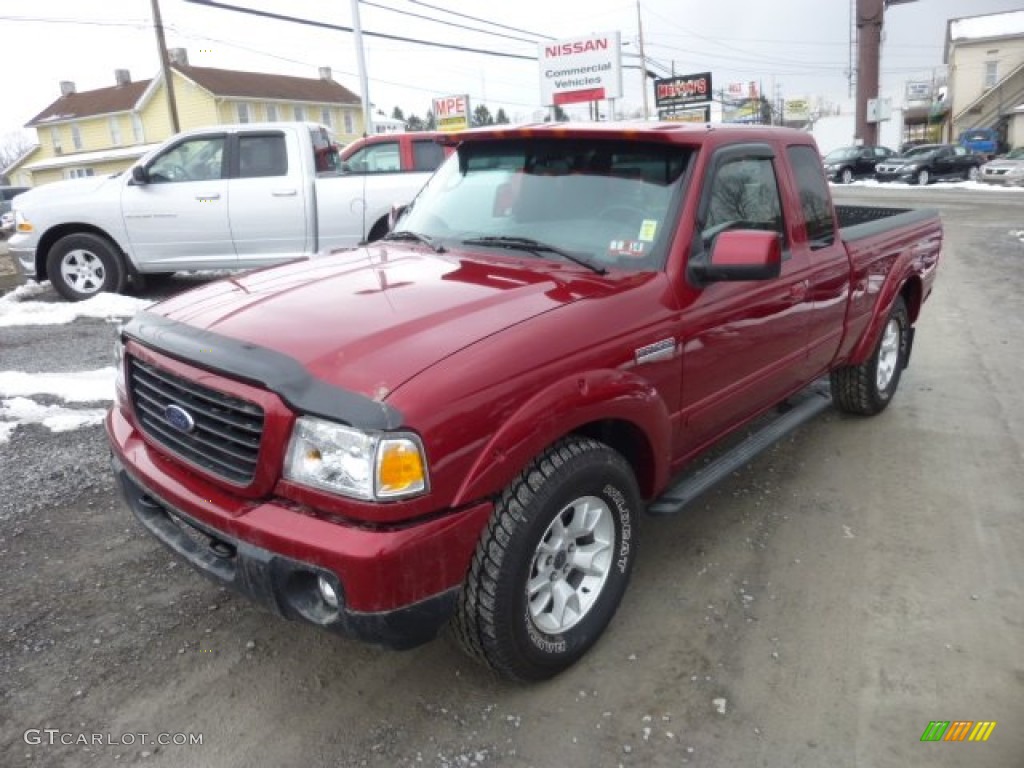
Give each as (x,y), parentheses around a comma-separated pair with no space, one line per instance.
(800,46)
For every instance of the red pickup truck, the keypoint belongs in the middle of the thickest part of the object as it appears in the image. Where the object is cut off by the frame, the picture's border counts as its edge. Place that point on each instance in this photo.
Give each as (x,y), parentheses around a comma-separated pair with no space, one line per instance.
(414,151)
(463,422)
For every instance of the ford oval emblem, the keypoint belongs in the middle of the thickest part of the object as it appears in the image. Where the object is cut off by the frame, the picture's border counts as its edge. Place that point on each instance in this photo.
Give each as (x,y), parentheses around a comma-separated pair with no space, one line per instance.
(179,418)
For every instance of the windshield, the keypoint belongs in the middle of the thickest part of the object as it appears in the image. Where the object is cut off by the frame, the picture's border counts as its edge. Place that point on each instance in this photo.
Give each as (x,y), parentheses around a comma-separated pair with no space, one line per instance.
(846,153)
(1015,154)
(604,202)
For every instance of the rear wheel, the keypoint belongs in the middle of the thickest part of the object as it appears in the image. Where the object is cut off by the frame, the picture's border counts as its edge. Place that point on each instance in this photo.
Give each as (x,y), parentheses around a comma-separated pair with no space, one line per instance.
(552,566)
(867,389)
(972,173)
(83,265)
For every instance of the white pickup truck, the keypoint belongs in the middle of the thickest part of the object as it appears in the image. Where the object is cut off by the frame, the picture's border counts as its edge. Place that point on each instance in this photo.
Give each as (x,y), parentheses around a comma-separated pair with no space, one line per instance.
(225,197)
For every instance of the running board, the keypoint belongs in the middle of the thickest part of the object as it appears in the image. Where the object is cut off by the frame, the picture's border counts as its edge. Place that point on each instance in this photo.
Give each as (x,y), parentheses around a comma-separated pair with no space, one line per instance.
(798,410)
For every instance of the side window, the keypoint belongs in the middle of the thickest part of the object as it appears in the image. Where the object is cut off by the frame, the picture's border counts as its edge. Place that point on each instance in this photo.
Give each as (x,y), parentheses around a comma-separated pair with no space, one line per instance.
(262,155)
(427,155)
(198,159)
(745,195)
(814,198)
(376,158)
(960,151)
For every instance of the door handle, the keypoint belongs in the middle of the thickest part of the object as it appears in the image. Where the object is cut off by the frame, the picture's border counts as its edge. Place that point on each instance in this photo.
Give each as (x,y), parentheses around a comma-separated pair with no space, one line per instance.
(204,198)
(284,193)
(798,290)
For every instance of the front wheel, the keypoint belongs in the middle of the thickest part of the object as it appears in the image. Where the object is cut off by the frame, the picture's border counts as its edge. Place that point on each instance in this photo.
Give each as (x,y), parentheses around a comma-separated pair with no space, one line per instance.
(867,389)
(846,176)
(551,568)
(83,265)
(923,177)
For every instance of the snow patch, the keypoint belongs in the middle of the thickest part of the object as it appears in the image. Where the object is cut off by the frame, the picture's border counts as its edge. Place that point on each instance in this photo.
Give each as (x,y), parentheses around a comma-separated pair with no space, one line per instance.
(75,387)
(56,418)
(15,310)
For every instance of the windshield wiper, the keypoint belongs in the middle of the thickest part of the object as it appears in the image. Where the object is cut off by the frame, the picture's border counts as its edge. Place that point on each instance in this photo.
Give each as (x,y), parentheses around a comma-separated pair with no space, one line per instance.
(415,237)
(533,246)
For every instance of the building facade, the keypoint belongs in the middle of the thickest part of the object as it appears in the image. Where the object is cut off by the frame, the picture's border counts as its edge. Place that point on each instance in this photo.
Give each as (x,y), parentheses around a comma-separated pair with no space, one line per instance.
(985,58)
(104,131)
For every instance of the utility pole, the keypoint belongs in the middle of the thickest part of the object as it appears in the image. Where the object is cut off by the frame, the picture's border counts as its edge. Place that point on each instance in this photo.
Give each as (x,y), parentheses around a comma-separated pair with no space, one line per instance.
(165,66)
(643,59)
(870,16)
(357,30)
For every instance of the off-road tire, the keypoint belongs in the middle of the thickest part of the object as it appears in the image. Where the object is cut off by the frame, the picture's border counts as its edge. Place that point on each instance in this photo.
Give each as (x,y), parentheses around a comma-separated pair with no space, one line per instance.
(855,388)
(83,265)
(493,621)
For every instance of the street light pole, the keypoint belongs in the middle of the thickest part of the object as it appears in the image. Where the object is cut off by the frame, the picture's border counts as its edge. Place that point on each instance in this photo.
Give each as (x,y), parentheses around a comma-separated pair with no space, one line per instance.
(364,87)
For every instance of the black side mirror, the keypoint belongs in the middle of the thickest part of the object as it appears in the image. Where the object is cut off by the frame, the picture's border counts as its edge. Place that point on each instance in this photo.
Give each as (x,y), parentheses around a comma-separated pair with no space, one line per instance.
(139,175)
(395,214)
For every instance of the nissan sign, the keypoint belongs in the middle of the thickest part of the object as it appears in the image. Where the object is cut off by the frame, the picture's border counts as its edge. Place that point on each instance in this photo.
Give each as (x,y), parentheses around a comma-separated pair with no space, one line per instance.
(582,69)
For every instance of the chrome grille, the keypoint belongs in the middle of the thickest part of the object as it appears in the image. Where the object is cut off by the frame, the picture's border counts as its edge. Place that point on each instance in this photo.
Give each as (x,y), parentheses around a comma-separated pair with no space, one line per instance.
(224,437)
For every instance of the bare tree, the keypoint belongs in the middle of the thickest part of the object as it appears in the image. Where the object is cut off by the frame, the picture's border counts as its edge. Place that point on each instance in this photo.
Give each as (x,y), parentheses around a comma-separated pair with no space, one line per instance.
(12,147)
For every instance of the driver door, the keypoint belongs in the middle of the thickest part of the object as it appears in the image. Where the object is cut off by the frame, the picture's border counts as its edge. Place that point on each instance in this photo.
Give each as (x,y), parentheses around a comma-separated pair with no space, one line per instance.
(178,219)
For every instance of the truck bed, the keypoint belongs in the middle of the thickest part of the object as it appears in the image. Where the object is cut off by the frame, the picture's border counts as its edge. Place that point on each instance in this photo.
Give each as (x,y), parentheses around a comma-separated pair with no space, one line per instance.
(857,222)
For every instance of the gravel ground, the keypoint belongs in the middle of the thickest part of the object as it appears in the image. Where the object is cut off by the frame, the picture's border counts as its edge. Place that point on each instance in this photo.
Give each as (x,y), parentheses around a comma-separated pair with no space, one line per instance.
(818,609)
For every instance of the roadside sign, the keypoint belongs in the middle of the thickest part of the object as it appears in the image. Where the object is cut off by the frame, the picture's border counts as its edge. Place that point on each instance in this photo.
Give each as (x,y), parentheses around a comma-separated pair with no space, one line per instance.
(692,115)
(451,113)
(682,90)
(582,69)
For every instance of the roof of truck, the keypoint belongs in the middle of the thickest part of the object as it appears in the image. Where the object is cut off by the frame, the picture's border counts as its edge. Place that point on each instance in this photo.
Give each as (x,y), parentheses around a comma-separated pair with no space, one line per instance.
(668,132)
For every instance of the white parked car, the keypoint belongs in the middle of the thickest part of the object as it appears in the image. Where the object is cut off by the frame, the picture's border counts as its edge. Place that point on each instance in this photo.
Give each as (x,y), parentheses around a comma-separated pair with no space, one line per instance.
(224,197)
(1007,170)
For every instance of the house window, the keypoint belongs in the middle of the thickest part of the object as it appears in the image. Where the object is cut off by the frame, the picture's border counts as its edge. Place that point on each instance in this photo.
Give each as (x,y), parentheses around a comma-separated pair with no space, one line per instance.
(991,73)
(115,131)
(271,113)
(325,117)
(76,136)
(243,113)
(77,173)
(300,113)
(349,126)
(58,148)
(137,130)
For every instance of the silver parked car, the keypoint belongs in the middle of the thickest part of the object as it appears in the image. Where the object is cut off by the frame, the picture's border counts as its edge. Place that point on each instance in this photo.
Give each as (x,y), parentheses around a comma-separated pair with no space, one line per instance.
(1007,169)
(6,217)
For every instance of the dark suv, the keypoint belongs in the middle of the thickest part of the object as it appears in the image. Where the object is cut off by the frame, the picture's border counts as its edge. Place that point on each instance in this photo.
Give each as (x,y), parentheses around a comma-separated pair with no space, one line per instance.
(848,163)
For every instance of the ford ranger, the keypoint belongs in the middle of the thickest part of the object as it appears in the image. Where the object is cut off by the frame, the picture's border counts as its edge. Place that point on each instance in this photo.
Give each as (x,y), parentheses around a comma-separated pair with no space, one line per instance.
(225,197)
(462,423)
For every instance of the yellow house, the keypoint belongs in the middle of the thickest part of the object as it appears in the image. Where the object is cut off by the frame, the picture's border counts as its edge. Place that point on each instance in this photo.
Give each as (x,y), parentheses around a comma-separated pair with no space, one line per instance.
(106,130)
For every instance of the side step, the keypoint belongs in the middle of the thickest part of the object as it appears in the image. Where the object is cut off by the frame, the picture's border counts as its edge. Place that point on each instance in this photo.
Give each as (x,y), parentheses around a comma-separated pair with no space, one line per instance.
(798,410)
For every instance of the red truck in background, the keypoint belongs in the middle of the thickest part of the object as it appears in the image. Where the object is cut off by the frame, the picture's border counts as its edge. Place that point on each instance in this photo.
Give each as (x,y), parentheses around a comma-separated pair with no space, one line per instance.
(464,421)
(395,152)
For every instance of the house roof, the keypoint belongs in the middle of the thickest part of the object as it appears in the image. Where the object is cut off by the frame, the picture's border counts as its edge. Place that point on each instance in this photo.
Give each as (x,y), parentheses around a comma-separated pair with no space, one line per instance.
(220,82)
(102,101)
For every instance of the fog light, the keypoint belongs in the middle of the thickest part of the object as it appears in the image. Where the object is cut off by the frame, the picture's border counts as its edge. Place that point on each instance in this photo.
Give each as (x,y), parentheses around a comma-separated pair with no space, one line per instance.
(327,592)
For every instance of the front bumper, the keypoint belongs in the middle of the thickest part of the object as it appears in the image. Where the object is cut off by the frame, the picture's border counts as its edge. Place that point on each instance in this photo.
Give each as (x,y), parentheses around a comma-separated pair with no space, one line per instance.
(395,586)
(907,176)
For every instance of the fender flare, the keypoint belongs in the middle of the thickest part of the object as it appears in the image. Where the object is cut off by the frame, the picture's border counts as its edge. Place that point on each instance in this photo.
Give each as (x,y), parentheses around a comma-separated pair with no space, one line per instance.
(872,332)
(568,405)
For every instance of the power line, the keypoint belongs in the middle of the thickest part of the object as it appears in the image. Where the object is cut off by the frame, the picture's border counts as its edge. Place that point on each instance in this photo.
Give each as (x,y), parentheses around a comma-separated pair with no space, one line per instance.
(483,21)
(339,28)
(445,23)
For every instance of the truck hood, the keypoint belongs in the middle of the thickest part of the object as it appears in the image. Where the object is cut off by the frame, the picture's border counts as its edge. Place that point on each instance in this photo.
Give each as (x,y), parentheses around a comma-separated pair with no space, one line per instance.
(370,319)
(68,189)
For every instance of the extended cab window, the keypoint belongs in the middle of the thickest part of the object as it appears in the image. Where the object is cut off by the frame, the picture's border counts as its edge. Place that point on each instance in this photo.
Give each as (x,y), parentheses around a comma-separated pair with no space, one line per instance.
(815,201)
(426,155)
(261,155)
(376,158)
(744,195)
(198,159)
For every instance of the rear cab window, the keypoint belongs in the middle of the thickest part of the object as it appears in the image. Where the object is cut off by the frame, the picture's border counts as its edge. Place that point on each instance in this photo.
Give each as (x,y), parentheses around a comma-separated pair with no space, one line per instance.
(815,201)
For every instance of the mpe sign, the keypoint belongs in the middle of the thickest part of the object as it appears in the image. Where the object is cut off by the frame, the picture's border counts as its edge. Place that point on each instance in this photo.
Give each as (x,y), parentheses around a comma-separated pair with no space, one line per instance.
(452,113)
(683,90)
(583,69)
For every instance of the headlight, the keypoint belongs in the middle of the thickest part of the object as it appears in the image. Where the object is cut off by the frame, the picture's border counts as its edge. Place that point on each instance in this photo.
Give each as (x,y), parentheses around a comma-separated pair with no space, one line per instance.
(350,462)
(21,223)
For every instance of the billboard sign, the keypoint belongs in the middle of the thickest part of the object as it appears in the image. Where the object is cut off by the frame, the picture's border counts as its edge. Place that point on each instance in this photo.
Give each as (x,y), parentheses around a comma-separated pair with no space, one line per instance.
(451,113)
(692,115)
(582,69)
(796,109)
(682,90)
(919,91)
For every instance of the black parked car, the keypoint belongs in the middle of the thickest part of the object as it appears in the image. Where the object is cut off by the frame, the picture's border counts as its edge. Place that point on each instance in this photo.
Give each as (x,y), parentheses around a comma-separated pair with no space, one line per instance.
(930,162)
(848,163)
